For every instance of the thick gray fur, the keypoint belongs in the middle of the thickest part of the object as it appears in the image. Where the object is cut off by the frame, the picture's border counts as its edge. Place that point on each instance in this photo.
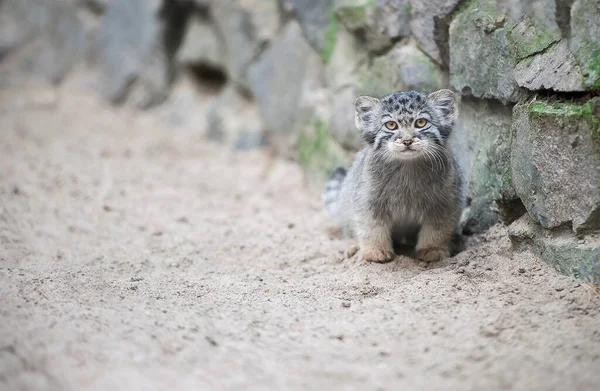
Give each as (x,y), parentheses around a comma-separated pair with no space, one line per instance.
(393,190)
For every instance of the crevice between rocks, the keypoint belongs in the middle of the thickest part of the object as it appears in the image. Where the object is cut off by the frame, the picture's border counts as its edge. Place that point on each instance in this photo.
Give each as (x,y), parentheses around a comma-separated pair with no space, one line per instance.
(211,78)
(579,97)
(175,16)
(563,16)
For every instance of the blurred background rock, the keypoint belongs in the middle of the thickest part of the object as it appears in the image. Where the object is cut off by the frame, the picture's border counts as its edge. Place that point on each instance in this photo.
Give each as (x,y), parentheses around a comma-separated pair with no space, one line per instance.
(283,74)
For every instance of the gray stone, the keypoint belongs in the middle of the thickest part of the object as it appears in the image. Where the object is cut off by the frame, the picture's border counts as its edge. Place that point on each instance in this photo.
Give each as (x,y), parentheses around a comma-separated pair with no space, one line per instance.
(20,20)
(585,40)
(128,50)
(555,163)
(574,255)
(288,83)
(341,123)
(201,45)
(348,57)
(533,33)
(245,27)
(232,115)
(427,16)
(481,63)
(39,39)
(554,69)
(482,140)
(394,17)
(98,5)
(378,24)
(405,67)
(348,60)
(316,18)
(250,140)
(187,106)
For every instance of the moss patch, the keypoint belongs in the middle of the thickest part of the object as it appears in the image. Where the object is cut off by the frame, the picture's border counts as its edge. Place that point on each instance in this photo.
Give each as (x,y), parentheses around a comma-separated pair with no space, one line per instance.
(506,178)
(572,110)
(330,36)
(591,70)
(529,37)
(352,17)
(316,152)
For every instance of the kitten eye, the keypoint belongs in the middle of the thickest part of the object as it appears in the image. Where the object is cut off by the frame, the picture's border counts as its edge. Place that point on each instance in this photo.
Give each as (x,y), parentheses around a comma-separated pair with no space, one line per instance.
(391,125)
(421,122)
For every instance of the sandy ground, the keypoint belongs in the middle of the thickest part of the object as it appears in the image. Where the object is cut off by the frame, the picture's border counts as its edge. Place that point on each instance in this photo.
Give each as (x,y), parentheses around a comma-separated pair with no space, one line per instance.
(141,257)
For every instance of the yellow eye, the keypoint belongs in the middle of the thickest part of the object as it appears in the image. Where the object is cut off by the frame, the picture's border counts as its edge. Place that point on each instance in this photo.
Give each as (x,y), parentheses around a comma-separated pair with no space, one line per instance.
(391,125)
(421,122)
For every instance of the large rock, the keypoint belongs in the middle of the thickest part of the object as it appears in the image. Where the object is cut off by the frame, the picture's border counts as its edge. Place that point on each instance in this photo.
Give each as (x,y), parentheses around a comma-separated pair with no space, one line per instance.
(378,24)
(404,67)
(39,39)
(533,32)
(348,59)
(481,140)
(500,45)
(129,51)
(393,17)
(585,40)
(554,69)
(20,20)
(544,60)
(427,18)
(245,26)
(317,21)
(288,83)
(232,117)
(201,45)
(555,163)
(575,255)
(481,63)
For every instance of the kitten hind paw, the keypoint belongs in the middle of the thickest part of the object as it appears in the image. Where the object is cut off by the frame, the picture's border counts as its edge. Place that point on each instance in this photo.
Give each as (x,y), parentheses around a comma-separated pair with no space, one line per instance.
(379,255)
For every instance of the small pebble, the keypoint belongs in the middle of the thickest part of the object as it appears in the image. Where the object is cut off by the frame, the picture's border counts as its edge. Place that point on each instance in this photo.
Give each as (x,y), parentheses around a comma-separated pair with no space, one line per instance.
(345,304)
(460,270)
(211,341)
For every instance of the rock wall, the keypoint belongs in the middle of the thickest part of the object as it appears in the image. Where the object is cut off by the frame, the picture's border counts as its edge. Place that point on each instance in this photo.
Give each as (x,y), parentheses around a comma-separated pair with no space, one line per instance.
(288,71)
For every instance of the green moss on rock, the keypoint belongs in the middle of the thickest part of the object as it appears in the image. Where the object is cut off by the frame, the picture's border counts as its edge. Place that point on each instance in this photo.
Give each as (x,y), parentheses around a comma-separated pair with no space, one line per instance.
(591,73)
(318,153)
(482,63)
(330,37)
(353,17)
(531,35)
(585,40)
(584,111)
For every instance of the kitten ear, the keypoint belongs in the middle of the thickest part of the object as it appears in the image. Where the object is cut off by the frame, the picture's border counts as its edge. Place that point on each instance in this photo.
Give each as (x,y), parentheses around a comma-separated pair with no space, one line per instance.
(366,115)
(444,103)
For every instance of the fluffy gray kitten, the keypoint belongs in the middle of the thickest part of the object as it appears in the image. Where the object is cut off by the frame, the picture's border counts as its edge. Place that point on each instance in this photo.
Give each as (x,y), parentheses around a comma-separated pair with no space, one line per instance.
(405,180)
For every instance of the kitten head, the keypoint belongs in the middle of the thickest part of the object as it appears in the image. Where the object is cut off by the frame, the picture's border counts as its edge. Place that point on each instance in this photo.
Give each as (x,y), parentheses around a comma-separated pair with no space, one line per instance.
(407,124)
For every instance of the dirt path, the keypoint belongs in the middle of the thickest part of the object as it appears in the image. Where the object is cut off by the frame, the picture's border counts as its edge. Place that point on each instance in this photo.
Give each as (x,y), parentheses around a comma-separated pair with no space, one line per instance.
(138,257)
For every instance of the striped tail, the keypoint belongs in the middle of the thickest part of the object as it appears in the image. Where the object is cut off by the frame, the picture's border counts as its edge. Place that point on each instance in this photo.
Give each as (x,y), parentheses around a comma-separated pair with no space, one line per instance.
(331,195)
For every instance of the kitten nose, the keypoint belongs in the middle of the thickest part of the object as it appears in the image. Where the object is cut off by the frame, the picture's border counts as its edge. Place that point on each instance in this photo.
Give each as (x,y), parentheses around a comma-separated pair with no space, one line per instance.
(407,142)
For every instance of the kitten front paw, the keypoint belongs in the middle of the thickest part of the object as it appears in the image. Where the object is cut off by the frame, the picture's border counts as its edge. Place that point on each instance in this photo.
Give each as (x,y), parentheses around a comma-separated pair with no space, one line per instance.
(379,255)
(432,254)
